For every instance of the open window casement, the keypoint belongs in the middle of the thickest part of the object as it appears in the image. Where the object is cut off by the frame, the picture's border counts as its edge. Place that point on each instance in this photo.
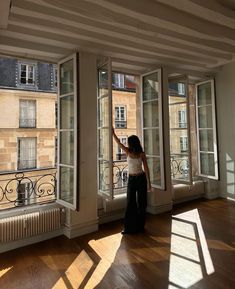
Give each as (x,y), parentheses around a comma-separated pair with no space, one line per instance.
(105,138)
(67,167)
(179,124)
(152,125)
(206,129)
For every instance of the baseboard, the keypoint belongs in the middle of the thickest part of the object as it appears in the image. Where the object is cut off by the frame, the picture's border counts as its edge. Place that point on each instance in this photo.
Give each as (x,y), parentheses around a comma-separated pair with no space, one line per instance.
(81,229)
(211,196)
(188,199)
(113,216)
(159,209)
(29,241)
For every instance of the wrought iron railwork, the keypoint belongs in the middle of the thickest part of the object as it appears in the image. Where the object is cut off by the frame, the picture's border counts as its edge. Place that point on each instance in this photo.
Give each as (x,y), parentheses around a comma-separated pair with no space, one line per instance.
(120,123)
(179,167)
(120,176)
(27,188)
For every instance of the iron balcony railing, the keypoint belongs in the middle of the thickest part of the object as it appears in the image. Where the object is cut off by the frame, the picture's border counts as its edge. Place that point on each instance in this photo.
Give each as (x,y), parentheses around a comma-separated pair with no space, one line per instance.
(25,188)
(179,167)
(120,123)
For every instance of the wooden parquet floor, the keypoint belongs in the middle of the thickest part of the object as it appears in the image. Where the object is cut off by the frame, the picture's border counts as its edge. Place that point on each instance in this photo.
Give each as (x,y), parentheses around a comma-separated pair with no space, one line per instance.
(191,247)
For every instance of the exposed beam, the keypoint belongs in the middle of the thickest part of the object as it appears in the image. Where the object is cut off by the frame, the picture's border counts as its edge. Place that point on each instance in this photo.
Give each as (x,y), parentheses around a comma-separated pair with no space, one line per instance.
(4,13)
(120,21)
(79,30)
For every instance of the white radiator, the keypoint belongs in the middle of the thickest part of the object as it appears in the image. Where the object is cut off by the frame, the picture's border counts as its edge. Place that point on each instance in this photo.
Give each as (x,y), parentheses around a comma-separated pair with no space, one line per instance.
(28,225)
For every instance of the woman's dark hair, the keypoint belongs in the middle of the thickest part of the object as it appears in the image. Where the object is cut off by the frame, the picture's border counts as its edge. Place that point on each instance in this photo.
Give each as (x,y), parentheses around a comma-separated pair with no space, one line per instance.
(134,145)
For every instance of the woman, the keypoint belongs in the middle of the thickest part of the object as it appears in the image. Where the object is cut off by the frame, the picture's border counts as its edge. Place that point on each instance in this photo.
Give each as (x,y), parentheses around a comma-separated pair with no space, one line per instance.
(138,185)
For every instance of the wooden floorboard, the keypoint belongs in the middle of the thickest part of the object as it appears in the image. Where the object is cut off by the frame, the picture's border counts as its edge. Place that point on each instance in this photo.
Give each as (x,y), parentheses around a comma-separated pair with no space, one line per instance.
(191,247)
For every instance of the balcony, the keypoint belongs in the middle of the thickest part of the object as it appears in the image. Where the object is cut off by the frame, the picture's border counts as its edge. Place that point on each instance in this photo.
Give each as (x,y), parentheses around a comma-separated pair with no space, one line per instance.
(179,167)
(27,123)
(27,188)
(120,123)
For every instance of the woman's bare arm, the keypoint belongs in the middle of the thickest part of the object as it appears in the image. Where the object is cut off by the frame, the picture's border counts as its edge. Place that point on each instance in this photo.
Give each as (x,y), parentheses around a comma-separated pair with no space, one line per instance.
(146,170)
(119,143)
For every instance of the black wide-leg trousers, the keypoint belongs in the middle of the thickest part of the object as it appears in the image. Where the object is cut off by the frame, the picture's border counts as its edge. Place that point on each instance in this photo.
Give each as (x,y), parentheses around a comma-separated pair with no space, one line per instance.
(135,214)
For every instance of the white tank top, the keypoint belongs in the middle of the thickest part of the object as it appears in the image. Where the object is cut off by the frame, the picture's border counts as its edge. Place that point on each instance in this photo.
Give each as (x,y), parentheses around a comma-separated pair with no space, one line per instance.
(134,165)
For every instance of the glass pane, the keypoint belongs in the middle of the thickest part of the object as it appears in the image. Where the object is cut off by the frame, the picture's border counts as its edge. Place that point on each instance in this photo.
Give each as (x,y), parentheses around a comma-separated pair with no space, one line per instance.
(179,141)
(151,142)
(103,81)
(66,184)
(207,164)
(103,112)
(206,140)
(178,115)
(67,112)
(155,170)
(151,115)
(104,144)
(204,94)
(104,175)
(150,86)
(66,77)
(67,147)
(205,117)
(177,92)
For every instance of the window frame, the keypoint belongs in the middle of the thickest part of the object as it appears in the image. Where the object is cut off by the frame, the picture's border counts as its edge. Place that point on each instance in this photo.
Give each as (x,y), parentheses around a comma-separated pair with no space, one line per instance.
(214,129)
(19,139)
(162,186)
(27,64)
(75,129)
(27,101)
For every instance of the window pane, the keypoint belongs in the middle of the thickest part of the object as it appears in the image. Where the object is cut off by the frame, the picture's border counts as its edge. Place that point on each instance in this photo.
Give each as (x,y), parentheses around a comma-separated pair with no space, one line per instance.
(104,175)
(66,184)
(103,82)
(205,117)
(104,143)
(67,148)
(150,87)
(151,142)
(104,112)
(206,140)
(204,94)
(155,170)
(67,112)
(66,77)
(151,116)
(207,164)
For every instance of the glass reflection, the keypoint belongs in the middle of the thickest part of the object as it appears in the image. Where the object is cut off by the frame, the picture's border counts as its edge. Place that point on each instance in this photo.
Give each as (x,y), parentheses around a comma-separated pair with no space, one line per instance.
(67,148)
(66,184)
(66,77)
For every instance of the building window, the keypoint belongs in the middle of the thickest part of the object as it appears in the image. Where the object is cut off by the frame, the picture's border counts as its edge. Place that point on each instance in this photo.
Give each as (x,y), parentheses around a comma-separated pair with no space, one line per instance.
(181,88)
(118,80)
(27,113)
(120,117)
(27,74)
(27,153)
(55,76)
(121,155)
(183,144)
(182,119)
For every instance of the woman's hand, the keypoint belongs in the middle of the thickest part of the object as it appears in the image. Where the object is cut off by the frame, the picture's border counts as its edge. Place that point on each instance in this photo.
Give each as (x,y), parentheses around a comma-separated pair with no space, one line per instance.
(149,188)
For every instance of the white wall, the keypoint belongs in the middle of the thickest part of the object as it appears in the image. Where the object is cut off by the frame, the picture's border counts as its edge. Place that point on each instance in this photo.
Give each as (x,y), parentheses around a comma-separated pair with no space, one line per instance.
(225,97)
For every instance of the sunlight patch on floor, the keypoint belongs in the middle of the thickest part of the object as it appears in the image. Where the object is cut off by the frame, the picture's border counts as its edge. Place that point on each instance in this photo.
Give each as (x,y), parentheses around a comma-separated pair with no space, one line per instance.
(188,258)
(4,271)
(109,247)
(76,272)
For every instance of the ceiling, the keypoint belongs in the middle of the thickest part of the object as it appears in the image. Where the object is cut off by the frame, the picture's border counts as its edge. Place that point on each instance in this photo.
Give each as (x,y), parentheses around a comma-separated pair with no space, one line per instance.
(197,36)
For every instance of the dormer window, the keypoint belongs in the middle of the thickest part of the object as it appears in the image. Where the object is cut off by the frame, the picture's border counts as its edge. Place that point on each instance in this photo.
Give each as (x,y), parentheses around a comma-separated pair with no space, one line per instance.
(26,74)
